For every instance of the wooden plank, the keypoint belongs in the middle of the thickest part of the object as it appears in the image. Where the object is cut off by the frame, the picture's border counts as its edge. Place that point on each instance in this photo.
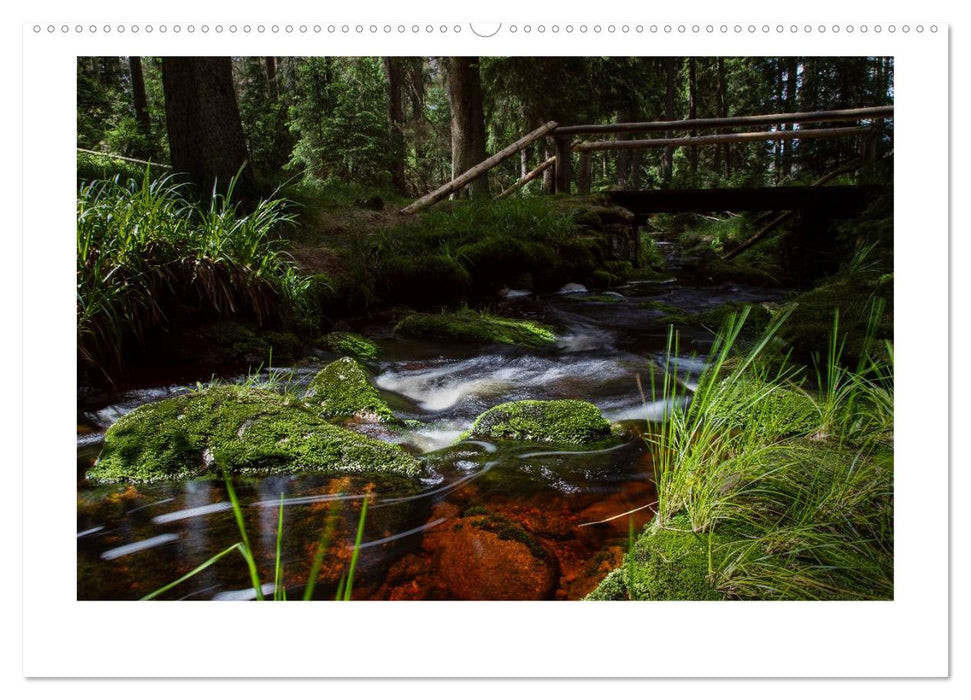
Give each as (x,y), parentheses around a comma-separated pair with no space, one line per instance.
(832,115)
(130,160)
(722,138)
(528,177)
(472,173)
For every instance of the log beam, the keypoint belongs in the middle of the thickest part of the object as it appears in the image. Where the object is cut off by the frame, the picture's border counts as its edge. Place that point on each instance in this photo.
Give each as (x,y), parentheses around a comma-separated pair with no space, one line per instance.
(528,177)
(884,112)
(722,138)
(472,173)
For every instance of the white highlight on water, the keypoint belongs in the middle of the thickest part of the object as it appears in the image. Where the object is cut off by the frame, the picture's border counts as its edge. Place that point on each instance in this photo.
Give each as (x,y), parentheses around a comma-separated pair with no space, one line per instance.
(134,547)
(191,512)
(399,535)
(245,594)
(93,530)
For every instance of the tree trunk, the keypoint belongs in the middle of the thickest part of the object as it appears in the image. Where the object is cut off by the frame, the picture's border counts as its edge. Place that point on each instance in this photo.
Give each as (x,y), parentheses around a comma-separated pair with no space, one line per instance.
(271,77)
(396,117)
(790,103)
(206,139)
(138,96)
(468,121)
(671,73)
(692,112)
(623,157)
(723,113)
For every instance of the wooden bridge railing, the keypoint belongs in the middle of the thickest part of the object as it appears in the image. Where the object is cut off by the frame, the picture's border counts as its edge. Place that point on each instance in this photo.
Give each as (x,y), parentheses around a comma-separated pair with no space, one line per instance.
(564,146)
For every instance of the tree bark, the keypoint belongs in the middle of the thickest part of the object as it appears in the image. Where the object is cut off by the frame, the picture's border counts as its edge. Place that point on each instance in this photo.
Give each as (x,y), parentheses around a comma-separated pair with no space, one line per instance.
(206,139)
(139,98)
(723,113)
(692,112)
(623,158)
(271,77)
(468,121)
(667,159)
(396,117)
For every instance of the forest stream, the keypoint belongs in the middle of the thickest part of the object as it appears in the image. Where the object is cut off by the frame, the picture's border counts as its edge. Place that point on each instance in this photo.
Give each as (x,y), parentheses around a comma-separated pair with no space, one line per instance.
(491,521)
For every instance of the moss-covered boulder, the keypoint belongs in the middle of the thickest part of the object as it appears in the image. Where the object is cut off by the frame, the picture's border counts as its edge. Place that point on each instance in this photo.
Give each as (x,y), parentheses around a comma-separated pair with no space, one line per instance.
(343,389)
(757,319)
(469,326)
(666,563)
(566,421)
(352,345)
(241,429)
(423,281)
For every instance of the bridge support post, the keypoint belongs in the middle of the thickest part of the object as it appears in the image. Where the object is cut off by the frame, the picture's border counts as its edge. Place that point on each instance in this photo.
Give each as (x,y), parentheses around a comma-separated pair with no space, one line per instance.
(563,165)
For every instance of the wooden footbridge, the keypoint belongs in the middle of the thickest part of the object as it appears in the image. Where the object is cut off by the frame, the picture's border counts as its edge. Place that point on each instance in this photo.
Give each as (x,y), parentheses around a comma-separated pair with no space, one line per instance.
(839,200)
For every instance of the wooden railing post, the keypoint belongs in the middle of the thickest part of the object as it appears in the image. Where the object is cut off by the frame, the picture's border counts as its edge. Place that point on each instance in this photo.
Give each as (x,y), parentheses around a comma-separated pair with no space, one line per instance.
(563,165)
(585,174)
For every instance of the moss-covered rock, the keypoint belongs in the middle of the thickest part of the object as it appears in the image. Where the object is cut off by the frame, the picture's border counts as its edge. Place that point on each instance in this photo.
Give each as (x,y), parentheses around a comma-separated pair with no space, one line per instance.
(497,261)
(468,326)
(566,421)
(666,563)
(423,281)
(352,345)
(342,389)
(756,321)
(810,324)
(241,429)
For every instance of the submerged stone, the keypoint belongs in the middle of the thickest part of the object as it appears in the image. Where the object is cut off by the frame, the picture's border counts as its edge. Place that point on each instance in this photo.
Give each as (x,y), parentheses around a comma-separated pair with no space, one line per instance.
(485,556)
(343,389)
(572,288)
(240,429)
(473,327)
(567,421)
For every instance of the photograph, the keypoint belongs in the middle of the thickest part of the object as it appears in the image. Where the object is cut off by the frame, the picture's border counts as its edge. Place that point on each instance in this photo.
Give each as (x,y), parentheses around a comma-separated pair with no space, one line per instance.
(495,328)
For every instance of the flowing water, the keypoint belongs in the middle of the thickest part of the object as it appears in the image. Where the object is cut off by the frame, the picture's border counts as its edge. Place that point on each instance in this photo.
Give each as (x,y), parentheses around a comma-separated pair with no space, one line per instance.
(490,521)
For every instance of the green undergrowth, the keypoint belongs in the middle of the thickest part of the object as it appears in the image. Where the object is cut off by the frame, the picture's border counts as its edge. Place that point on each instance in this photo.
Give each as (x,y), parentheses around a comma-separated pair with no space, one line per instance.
(770,485)
(468,326)
(147,254)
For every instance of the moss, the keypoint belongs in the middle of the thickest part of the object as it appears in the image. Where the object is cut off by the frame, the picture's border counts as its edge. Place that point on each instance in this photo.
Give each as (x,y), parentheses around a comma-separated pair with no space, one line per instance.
(506,529)
(424,281)
(496,261)
(468,326)
(757,320)
(737,270)
(567,421)
(811,322)
(352,344)
(668,563)
(343,388)
(242,429)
